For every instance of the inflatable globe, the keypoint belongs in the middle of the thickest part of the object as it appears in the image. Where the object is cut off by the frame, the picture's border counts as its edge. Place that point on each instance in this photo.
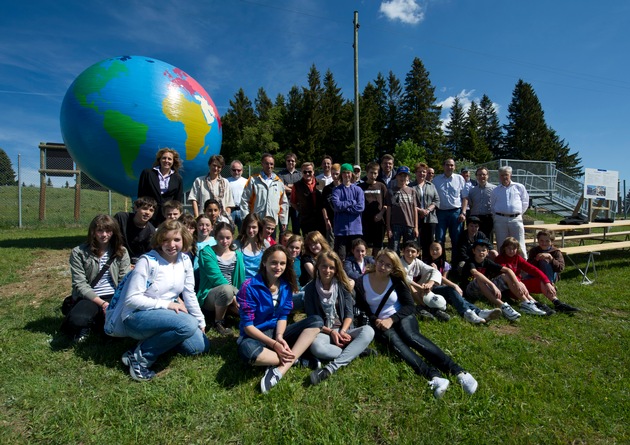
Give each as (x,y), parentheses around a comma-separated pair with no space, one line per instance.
(119,112)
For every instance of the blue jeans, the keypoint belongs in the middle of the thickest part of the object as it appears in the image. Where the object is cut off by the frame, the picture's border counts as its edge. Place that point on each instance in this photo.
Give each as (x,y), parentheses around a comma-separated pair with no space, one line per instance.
(160,330)
(453,298)
(448,220)
(237,217)
(249,348)
(404,335)
(399,231)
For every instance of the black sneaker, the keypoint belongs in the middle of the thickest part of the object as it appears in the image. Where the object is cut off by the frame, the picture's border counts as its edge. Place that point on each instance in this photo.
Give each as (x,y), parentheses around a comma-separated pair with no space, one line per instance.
(270,379)
(319,375)
(543,307)
(564,307)
(440,315)
(82,335)
(368,352)
(137,371)
(221,329)
(423,314)
(308,362)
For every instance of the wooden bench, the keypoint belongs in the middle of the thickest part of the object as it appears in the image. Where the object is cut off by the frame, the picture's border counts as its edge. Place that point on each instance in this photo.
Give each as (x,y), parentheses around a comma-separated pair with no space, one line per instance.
(606,236)
(592,250)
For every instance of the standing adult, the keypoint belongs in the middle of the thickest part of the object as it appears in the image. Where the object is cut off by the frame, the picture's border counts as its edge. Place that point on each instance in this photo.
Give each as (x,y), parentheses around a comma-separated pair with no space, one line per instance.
(328,211)
(373,217)
(451,209)
(162,182)
(212,186)
(265,195)
(348,203)
(307,201)
(427,203)
(237,184)
(290,176)
(479,201)
(509,201)
(325,177)
(430,174)
(401,216)
(387,175)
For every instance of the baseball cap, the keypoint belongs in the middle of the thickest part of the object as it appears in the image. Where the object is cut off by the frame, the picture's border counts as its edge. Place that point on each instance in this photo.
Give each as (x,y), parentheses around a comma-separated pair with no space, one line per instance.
(346,168)
(473,220)
(402,169)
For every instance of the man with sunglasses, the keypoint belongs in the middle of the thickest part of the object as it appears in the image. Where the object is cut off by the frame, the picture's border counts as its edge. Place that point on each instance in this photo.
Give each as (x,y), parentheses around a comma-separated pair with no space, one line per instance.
(307,200)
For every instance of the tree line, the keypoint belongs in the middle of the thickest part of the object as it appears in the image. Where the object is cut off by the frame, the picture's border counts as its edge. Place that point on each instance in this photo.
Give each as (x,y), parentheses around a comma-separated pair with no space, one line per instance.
(400,118)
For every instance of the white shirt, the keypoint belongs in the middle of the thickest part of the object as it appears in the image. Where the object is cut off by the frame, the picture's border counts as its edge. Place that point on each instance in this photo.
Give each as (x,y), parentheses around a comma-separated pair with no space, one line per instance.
(374,300)
(237,186)
(326,179)
(509,200)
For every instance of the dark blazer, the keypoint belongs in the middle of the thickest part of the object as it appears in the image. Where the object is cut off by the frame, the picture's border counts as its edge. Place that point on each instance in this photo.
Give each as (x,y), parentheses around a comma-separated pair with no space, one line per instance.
(149,185)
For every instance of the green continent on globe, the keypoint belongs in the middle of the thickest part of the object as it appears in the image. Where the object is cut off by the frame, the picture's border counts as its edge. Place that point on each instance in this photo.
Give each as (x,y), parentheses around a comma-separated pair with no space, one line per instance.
(177,108)
(124,129)
(94,80)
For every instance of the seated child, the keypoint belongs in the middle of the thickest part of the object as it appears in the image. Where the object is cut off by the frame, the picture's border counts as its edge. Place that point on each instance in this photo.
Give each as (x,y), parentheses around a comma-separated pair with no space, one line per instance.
(284,237)
(483,277)
(212,209)
(135,227)
(172,209)
(354,265)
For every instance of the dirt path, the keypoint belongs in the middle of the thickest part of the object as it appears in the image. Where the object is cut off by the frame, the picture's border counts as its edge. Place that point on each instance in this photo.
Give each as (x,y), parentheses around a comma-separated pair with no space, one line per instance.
(47,277)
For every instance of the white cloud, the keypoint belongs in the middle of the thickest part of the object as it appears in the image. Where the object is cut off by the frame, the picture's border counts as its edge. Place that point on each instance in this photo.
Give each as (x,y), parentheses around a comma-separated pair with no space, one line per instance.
(407,11)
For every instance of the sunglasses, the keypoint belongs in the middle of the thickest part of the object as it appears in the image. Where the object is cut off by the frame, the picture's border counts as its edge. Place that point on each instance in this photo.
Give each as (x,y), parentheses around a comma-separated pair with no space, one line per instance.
(307,172)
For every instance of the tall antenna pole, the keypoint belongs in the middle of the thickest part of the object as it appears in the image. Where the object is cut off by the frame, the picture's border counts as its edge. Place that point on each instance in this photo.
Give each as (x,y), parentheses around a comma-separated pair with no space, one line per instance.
(357,147)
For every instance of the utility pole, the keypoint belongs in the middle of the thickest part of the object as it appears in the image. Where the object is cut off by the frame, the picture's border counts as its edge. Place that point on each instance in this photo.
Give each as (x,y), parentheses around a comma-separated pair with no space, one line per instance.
(357,147)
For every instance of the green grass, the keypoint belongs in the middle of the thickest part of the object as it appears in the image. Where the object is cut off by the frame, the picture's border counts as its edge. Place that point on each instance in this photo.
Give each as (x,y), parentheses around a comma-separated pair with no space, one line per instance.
(59,209)
(560,379)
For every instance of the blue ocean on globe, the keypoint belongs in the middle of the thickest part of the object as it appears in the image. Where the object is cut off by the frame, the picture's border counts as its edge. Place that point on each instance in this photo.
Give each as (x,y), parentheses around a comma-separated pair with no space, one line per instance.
(119,112)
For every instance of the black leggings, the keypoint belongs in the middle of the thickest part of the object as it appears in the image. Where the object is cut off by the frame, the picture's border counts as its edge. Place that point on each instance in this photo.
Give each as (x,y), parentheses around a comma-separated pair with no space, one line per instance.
(84,314)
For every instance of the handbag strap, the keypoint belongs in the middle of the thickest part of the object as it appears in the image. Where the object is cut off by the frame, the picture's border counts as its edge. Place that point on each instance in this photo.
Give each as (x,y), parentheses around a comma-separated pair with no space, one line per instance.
(101,272)
(385,298)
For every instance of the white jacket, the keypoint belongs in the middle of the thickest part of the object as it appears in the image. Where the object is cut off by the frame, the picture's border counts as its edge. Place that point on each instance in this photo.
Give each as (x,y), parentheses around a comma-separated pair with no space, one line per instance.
(265,198)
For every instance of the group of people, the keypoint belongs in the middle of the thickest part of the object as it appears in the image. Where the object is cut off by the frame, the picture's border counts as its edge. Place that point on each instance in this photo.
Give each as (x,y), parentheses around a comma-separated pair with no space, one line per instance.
(159,285)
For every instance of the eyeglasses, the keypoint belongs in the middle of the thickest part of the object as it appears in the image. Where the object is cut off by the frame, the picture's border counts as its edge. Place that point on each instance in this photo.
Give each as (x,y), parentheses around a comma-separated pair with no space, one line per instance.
(307,172)
(237,170)
(384,265)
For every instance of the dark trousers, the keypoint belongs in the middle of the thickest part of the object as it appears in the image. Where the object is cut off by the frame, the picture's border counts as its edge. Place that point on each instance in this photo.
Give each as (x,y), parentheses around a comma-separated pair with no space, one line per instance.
(343,244)
(405,335)
(427,236)
(84,314)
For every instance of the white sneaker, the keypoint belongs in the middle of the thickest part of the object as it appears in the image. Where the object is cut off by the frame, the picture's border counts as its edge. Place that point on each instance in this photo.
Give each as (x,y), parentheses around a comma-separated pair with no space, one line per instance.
(439,386)
(470,316)
(509,312)
(490,314)
(529,307)
(468,382)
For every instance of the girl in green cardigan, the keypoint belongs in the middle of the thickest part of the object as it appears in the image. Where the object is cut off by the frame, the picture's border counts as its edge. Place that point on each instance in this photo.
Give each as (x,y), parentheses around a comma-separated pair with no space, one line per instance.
(221,273)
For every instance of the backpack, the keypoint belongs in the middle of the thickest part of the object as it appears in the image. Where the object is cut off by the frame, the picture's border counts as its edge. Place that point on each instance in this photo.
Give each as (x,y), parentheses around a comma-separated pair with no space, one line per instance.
(114,326)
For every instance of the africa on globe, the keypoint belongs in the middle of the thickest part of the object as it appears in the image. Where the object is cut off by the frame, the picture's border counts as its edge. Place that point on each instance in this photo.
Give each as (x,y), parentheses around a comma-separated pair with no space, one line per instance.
(119,112)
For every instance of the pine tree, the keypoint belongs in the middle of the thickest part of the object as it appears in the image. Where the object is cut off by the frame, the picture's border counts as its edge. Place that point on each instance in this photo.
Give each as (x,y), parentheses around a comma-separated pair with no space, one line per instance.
(238,123)
(262,103)
(294,122)
(491,127)
(392,131)
(313,116)
(49,183)
(7,174)
(421,115)
(337,131)
(567,163)
(455,129)
(474,147)
(526,133)
(371,122)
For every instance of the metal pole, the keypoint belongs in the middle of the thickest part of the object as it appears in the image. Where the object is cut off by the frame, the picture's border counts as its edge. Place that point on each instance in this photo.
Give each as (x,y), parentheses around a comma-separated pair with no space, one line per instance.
(19,191)
(357,146)
(109,198)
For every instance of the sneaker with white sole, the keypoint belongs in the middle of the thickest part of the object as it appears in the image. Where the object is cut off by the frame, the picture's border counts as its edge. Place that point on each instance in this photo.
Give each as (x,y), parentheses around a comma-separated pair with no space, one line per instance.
(270,379)
(509,312)
(137,371)
(490,314)
(529,307)
(473,318)
(468,382)
(439,386)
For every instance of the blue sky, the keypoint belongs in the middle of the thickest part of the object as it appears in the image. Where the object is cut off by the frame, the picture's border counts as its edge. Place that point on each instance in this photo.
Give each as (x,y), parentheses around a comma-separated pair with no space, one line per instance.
(574,53)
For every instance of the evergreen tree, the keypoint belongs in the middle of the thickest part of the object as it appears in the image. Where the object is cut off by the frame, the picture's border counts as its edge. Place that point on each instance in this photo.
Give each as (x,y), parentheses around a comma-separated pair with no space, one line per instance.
(421,116)
(313,116)
(49,183)
(337,128)
(567,163)
(392,131)
(262,103)
(526,133)
(371,122)
(7,174)
(491,127)
(474,147)
(455,129)
(294,122)
(238,122)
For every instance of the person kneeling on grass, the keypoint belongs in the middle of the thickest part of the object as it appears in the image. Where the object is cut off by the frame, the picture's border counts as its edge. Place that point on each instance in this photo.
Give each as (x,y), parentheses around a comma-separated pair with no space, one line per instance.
(153,313)
(383,293)
(329,296)
(483,277)
(265,302)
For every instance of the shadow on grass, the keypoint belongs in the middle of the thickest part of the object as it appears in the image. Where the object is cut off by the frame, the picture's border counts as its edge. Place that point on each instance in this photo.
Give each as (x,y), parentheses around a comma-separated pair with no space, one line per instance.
(53,243)
(617,259)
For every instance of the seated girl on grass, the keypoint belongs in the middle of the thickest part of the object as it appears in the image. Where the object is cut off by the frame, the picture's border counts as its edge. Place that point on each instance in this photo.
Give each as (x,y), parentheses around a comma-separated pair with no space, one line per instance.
(314,243)
(251,242)
(265,302)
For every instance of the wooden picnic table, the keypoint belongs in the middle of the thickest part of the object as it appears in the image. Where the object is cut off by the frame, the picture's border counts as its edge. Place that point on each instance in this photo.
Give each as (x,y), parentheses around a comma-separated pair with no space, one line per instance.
(563,229)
